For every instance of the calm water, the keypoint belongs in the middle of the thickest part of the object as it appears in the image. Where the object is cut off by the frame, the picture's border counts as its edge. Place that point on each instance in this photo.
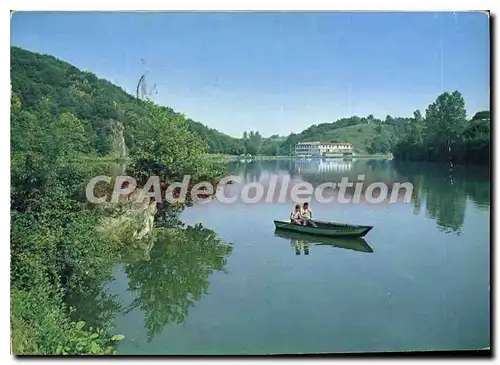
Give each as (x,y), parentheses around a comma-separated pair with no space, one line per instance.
(418,281)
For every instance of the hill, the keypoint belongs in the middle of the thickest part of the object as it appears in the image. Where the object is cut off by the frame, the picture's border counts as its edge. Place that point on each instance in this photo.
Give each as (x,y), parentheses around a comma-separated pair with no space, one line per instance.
(368,135)
(103,107)
(217,142)
(44,82)
(359,135)
(42,79)
(62,88)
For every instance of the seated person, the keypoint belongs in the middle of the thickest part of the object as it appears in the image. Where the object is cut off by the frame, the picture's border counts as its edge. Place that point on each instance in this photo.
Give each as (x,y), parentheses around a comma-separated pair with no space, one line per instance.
(306,213)
(296,216)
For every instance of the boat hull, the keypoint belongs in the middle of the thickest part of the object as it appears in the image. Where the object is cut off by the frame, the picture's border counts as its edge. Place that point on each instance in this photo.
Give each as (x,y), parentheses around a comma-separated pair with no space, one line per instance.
(327,229)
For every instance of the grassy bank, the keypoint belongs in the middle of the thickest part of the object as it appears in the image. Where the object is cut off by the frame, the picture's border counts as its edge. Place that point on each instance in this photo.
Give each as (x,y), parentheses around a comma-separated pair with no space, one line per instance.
(219,157)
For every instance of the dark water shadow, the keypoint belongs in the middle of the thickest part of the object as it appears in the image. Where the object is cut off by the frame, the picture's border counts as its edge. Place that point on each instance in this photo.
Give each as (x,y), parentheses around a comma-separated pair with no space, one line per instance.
(303,241)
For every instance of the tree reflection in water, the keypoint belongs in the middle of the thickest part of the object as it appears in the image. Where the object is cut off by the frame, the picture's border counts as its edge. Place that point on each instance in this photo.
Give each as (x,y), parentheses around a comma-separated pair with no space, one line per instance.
(96,306)
(176,276)
(444,191)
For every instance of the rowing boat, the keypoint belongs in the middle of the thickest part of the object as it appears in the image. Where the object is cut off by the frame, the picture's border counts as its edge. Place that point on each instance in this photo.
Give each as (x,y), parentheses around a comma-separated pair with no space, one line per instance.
(329,229)
(349,243)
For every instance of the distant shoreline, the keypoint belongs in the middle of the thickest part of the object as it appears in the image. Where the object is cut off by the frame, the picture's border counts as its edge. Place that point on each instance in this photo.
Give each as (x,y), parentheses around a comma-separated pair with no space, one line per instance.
(223,157)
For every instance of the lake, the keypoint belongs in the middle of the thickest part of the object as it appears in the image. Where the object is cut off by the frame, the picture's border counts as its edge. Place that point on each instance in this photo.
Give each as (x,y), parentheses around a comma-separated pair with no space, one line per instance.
(420,280)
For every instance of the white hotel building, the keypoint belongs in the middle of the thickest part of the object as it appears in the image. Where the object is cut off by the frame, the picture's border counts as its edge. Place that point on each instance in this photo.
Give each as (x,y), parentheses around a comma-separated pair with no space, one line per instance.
(323,149)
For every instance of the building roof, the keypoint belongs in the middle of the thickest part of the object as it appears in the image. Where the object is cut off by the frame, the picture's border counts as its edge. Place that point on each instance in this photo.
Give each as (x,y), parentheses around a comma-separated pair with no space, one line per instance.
(335,143)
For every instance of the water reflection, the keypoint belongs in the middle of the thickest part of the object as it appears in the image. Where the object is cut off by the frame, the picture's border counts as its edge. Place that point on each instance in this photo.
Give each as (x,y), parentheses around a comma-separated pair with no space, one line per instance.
(173,270)
(444,191)
(299,246)
(258,170)
(319,171)
(319,166)
(441,190)
(96,306)
(176,276)
(301,242)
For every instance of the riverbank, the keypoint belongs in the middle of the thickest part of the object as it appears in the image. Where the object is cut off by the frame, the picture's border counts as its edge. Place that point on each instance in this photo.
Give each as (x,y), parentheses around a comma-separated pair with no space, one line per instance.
(228,158)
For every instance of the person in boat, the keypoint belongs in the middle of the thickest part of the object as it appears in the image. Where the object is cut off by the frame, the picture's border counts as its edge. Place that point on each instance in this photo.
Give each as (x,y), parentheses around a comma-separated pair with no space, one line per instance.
(306,213)
(296,216)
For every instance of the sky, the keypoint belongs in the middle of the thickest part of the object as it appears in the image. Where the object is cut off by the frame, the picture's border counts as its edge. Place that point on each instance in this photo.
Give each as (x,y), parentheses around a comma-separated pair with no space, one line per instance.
(275,72)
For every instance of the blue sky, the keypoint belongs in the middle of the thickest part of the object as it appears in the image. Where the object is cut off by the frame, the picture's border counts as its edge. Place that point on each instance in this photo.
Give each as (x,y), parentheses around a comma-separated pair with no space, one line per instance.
(275,72)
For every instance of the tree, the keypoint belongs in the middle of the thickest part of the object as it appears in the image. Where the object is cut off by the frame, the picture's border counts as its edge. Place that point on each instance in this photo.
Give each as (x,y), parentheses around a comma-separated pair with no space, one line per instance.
(165,144)
(482,115)
(417,116)
(445,134)
(416,127)
(379,144)
(217,142)
(270,147)
(253,142)
(445,120)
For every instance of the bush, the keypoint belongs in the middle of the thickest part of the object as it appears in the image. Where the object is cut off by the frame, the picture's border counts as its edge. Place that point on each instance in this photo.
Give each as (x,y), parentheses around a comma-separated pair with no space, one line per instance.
(41,326)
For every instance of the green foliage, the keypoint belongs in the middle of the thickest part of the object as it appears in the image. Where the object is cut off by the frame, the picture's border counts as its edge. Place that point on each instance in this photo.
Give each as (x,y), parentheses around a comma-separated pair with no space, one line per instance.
(483,115)
(54,249)
(446,135)
(445,120)
(48,88)
(88,108)
(41,326)
(164,145)
(61,118)
(379,144)
(272,146)
(217,142)
(443,134)
(252,142)
(91,342)
(415,133)
(367,134)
